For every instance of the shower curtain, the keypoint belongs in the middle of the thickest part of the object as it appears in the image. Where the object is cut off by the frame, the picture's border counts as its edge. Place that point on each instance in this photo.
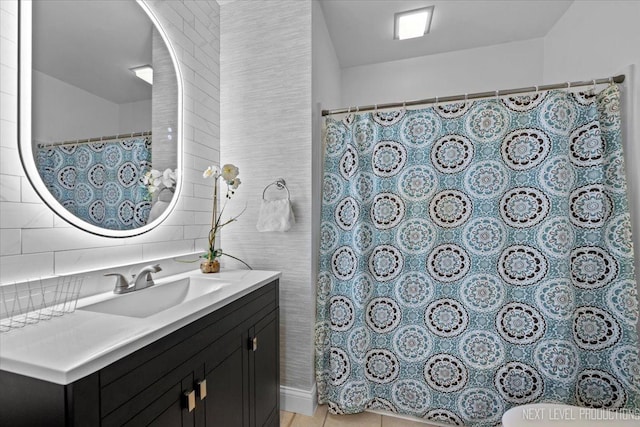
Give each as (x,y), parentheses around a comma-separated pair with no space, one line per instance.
(477,256)
(99,182)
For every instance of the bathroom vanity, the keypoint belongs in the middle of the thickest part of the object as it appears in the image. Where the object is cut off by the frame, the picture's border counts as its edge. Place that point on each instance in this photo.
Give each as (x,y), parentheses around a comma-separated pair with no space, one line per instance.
(212,360)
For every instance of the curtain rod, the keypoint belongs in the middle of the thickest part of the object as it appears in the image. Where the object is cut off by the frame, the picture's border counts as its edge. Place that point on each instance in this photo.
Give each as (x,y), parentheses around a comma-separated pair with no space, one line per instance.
(445,99)
(90,140)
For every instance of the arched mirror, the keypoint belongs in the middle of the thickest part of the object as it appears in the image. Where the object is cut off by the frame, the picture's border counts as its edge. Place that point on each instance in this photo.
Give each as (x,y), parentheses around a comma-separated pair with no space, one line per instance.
(100,113)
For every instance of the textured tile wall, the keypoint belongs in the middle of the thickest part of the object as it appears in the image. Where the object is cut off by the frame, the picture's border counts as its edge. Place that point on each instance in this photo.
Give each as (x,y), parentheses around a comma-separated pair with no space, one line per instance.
(266,123)
(34,241)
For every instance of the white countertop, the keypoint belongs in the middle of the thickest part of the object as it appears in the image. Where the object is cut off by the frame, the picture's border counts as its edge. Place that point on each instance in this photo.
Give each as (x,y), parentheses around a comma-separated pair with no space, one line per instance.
(64,349)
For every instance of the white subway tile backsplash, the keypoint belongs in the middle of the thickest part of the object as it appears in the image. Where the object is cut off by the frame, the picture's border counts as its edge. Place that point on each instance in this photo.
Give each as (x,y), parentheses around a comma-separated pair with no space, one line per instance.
(9,188)
(18,268)
(69,262)
(179,217)
(193,204)
(8,23)
(210,61)
(188,103)
(10,6)
(196,231)
(25,215)
(166,233)
(191,62)
(27,193)
(58,222)
(202,218)
(8,107)
(200,164)
(205,138)
(8,134)
(203,190)
(167,249)
(196,37)
(200,7)
(193,176)
(10,162)
(9,47)
(180,39)
(201,245)
(171,15)
(187,190)
(61,239)
(9,241)
(9,80)
(187,133)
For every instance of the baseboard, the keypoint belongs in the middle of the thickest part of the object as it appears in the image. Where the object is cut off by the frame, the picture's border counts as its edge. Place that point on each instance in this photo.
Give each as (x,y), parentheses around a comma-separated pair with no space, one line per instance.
(298,400)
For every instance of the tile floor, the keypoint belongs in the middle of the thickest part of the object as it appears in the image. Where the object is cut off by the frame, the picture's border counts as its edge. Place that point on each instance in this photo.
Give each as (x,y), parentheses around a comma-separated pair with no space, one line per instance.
(322,418)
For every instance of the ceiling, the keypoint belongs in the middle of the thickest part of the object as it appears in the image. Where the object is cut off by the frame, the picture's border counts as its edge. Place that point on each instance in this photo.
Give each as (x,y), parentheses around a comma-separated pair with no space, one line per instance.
(362,30)
(92,45)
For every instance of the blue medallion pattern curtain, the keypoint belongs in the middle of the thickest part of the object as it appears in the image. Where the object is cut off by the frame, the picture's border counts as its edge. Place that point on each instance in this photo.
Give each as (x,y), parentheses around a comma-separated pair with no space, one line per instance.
(100,182)
(475,257)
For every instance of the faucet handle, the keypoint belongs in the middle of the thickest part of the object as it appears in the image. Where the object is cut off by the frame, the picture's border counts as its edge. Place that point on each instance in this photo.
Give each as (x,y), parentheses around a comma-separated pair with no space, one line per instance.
(121,283)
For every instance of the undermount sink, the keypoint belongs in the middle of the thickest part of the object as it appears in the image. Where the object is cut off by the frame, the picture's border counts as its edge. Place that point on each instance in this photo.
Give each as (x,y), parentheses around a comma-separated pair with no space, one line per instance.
(153,300)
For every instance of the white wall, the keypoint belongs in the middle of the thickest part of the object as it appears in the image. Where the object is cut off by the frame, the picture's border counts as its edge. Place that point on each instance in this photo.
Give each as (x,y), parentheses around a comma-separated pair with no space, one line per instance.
(592,39)
(325,94)
(326,72)
(482,69)
(134,116)
(266,123)
(35,242)
(64,112)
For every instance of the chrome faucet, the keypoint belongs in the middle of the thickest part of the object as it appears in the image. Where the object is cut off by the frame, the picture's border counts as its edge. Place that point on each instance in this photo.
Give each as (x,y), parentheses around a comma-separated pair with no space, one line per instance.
(138,281)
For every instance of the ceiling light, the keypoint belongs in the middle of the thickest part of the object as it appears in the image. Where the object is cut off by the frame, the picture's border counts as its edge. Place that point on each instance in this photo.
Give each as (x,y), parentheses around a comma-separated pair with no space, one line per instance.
(144,72)
(412,23)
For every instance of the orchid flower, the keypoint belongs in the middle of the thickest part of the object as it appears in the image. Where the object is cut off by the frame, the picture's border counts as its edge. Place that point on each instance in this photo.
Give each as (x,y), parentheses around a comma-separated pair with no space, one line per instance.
(229,174)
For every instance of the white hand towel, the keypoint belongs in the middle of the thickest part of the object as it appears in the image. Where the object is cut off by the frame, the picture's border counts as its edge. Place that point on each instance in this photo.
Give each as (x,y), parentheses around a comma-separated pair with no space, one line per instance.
(275,215)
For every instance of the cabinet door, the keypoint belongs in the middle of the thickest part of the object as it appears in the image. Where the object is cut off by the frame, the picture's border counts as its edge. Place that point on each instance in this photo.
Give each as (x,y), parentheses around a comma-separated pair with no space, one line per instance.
(226,401)
(264,371)
(170,410)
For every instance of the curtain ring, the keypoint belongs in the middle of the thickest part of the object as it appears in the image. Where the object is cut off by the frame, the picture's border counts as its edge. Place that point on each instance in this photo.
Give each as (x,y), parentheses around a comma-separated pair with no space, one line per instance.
(497,95)
(537,89)
(404,105)
(610,80)
(349,110)
(357,109)
(375,108)
(568,86)
(437,100)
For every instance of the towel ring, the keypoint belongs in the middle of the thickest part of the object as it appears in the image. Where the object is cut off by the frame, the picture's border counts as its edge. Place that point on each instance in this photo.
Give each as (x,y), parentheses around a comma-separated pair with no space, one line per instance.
(280,184)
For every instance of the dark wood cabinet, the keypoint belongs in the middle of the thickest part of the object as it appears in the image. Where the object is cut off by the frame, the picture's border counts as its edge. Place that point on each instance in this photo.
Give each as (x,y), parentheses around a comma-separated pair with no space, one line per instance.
(227,400)
(220,370)
(264,365)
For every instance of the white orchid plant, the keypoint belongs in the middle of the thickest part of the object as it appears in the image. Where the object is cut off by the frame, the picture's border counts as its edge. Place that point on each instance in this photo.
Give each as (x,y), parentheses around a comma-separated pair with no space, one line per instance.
(229,174)
(154,180)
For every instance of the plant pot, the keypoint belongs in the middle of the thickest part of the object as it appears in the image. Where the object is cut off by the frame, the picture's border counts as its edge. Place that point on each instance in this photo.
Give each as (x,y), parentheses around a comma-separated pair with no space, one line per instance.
(207,266)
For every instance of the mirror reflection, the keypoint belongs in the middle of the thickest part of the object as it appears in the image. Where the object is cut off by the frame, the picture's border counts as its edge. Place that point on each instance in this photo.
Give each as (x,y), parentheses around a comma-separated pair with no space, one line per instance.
(104,111)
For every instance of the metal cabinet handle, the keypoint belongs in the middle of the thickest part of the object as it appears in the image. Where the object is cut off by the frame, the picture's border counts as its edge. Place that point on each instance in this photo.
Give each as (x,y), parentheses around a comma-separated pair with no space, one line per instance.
(253,344)
(202,389)
(190,400)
